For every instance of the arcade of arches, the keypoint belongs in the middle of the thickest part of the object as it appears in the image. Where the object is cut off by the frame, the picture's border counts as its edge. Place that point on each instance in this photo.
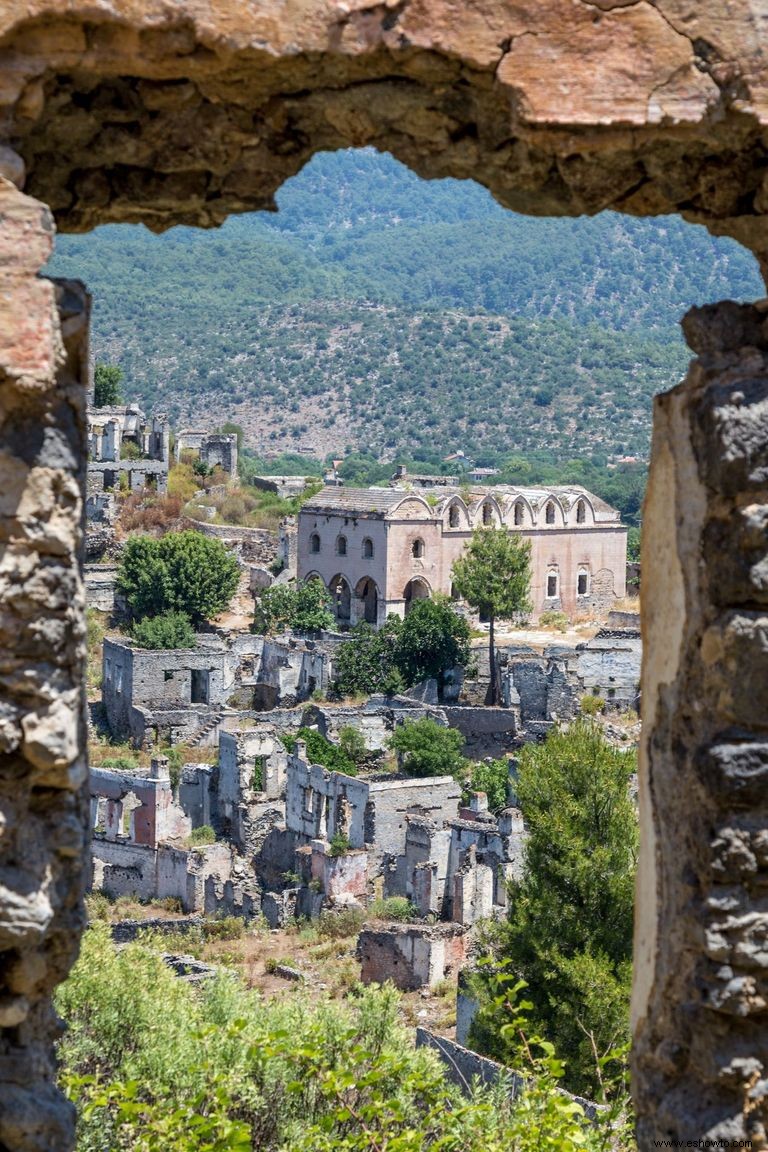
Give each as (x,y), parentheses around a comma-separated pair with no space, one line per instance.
(140,110)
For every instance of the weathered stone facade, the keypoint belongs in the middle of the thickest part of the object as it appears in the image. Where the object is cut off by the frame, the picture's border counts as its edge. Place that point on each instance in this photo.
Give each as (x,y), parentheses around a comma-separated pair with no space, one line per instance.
(43,782)
(125,447)
(214,449)
(379,549)
(182,114)
(700,996)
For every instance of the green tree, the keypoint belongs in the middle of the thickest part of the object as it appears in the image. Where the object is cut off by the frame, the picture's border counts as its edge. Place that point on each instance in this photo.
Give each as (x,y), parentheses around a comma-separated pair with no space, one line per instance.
(493,576)
(107,379)
(168,630)
(181,572)
(305,607)
(491,777)
(320,750)
(367,662)
(426,748)
(569,931)
(433,638)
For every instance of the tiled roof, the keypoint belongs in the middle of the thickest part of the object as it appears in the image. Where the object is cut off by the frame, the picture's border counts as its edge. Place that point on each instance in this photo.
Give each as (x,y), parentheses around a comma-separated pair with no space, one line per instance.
(374,501)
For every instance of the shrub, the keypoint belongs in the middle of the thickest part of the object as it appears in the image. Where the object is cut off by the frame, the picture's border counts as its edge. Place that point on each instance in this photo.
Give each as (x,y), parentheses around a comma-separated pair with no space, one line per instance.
(142,512)
(182,483)
(367,662)
(223,928)
(592,705)
(393,908)
(340,925)
(491,777)
(433,639)
(107,381)
(339,844)
(305,607)
(168,630)
(554,619)
(181,572)
(202,835)
(155,1064)
(120,763)
(352,744)
(569,934)
(321,751)
(425,748)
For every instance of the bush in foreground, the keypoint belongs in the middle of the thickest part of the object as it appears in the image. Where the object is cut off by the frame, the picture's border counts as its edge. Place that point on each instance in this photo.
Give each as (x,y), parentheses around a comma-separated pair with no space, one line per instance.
(168,630)
(155,1065)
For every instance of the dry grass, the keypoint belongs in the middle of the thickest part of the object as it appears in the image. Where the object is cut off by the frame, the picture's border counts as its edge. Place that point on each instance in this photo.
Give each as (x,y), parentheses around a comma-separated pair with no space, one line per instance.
(148,512)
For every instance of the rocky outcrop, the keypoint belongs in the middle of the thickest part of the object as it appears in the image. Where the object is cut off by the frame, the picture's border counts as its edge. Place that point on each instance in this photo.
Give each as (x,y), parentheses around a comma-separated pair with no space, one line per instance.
(701,966)
(167,114)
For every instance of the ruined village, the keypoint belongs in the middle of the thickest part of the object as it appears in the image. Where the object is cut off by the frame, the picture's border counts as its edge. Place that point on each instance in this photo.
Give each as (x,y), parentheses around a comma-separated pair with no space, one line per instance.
(212,794)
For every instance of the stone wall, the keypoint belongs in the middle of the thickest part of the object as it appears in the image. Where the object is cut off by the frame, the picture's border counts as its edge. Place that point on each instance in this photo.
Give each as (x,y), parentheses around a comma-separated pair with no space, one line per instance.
(43,777)
(100,586)
(700,996)
(411,956)
(253,545)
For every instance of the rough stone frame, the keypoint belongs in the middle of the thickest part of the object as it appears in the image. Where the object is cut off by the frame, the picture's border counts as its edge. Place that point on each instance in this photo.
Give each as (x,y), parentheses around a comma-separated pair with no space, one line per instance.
(131,110)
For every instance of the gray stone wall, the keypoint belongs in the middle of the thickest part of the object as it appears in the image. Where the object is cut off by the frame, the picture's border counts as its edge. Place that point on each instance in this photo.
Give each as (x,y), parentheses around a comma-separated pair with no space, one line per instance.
(43,776)
(700,1053)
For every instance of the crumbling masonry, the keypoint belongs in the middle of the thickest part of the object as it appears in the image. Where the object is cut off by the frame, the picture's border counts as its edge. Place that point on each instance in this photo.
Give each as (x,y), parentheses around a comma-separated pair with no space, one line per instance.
(181,114)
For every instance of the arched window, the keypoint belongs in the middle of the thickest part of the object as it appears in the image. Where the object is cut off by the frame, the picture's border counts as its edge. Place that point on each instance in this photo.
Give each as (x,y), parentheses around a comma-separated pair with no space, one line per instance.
(341,545)
(549,513)
(314,542)
(417,548)
(552,583)
(518,513)
(487,515)
(581,512)
(453,516)
(367,548)
(582,582)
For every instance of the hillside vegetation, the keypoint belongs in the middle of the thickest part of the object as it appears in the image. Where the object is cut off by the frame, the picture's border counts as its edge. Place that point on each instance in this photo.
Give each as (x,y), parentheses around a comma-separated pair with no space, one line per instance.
(379,311)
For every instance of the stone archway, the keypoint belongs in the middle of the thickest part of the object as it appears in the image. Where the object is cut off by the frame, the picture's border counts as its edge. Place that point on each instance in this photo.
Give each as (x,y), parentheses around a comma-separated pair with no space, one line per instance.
(415,589)
(341,595)
(183,114)
(367,597)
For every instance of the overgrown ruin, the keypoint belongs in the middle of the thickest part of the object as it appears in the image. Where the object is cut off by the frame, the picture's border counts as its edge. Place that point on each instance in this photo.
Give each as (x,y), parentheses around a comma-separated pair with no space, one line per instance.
(135,110)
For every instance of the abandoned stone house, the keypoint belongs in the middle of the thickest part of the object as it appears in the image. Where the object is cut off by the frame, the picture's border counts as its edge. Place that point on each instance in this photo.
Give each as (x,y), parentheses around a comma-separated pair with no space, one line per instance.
(185,694)
(124,444)
(416,839)
(139,843)
(379,549)
(214,449)
(114,113)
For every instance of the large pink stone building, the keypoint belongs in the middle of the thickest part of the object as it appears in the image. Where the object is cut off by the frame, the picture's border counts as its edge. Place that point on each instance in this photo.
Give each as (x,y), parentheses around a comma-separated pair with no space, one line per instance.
(378,549)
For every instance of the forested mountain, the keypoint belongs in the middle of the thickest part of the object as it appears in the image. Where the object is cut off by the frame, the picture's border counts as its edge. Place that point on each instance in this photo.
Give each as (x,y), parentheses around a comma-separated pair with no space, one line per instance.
(380,311)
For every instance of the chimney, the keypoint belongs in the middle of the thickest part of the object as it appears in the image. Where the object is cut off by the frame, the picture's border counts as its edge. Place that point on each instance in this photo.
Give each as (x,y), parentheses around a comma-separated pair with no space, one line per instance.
(159,769)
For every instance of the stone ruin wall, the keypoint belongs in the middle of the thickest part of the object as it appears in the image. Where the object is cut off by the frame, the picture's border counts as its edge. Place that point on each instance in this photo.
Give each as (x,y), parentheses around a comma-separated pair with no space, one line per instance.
(135,110)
